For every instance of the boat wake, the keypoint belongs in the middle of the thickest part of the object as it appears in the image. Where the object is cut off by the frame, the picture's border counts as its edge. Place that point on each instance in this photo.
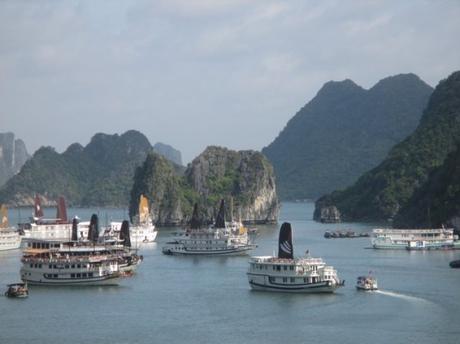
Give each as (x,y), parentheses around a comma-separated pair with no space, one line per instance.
(401,296)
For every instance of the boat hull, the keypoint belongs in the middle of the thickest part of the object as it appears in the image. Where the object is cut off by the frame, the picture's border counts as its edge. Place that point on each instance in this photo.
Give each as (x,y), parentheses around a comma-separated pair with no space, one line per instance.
(262,283)
(97,281)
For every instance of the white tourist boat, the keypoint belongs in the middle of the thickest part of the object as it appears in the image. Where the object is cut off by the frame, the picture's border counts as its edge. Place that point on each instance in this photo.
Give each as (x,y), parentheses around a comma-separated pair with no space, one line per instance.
(415,239)
(220,239)
(50,229)
(9,237)
(285,273)
(367,283)
(143,231)
(55,263)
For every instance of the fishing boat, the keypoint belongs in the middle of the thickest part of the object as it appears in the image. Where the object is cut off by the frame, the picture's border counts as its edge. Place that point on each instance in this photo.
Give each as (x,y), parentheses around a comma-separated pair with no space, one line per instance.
(366,283)
(59,228)
(57,263)
(285,273)
(219,239)
(415,239)
(18,290)
(143,231)
(9,237)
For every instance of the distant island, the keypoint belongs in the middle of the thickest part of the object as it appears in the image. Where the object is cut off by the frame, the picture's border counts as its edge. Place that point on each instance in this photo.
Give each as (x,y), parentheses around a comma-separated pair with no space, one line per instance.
(344,131)
(417,184)
(13,155)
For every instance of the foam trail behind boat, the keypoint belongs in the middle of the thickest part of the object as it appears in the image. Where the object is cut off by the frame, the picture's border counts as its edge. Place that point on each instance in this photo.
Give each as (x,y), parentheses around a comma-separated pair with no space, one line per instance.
(401,296)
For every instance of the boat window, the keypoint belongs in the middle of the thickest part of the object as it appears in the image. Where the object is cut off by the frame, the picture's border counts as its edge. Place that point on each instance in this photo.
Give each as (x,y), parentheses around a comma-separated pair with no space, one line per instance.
(90,274)
(292,279)
(285,279)
(55,276)
(78,275)
(50,266)
(72,275)
(278,267)
(31,265)
(305,280)
(285,267)
(291,267)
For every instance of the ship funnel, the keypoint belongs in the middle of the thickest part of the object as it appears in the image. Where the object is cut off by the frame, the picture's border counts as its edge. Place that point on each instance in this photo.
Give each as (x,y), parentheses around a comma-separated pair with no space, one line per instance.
(93,231)
(285,248)
(74,230)
(38,211)
(61,213)
(195,222)
(124,234)
(220,219)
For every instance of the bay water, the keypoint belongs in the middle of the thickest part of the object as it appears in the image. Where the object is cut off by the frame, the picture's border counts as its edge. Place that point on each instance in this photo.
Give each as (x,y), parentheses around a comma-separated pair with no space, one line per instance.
(208,300)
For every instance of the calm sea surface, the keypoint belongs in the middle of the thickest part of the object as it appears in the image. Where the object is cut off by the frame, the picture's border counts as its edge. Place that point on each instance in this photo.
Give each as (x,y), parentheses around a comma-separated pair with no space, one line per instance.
(208,299)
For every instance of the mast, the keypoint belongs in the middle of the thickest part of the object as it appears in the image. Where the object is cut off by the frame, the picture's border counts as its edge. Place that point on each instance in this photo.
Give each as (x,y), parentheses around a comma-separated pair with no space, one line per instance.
(74,229)
(124,234)
(61,211)
(231,209)
(285,248)
(195,222)
(220,219)
(143,209)
(93,230)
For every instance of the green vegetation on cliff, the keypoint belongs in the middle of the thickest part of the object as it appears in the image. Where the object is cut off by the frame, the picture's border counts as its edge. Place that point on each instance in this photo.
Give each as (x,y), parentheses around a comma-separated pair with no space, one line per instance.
(343,132)
(246,177)
(383,191)
(437,202)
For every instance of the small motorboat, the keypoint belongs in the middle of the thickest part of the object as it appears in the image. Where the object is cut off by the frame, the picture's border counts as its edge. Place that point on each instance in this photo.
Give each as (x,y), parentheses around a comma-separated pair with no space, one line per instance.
(367,283)
(455,264)
(19,290)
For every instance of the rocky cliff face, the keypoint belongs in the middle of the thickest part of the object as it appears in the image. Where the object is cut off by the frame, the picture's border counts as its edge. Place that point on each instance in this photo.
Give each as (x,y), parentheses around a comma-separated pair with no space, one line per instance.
(245,176)
(245,179)
(13,155)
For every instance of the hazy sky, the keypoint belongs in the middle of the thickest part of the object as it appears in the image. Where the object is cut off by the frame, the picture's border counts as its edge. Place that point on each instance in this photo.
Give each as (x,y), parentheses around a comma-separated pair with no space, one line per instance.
(195,73)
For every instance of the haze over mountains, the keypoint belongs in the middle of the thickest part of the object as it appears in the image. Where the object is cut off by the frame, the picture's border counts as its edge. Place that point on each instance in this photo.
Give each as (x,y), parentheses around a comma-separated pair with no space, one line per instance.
(416,185)
(343,132)
(13,155)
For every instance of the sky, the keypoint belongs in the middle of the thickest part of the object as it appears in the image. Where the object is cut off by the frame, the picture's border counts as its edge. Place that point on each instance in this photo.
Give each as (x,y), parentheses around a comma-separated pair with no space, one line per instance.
(193,73)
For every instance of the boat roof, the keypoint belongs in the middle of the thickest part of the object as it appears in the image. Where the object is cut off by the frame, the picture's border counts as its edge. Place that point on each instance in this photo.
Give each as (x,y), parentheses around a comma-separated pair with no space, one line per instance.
(19,284)
(286,261)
